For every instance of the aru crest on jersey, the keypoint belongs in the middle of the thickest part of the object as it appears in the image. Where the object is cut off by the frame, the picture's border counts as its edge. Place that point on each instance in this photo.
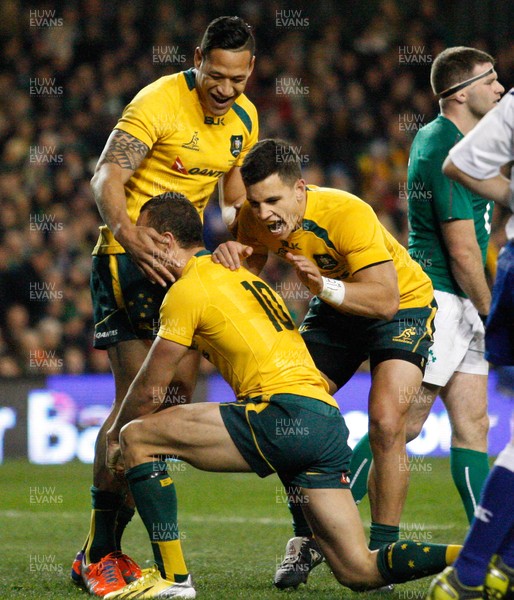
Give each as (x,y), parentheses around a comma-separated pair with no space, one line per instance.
(236,145)
(325,261)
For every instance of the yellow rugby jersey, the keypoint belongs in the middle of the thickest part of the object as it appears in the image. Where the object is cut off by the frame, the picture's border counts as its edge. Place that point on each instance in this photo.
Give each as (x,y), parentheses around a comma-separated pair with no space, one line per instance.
(189,150)
(243,327)
(341,234)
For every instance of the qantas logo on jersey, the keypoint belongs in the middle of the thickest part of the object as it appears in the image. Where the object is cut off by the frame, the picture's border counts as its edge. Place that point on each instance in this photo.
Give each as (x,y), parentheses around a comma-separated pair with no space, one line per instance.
(214,120)
(179,167)
(206,172)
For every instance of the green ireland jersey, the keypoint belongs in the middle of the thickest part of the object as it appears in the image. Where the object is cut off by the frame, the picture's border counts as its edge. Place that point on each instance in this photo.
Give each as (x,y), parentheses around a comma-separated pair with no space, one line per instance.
(433,199)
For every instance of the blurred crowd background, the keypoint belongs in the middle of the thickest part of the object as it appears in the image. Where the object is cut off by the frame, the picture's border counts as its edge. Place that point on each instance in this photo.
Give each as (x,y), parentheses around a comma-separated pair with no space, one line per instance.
(347,82)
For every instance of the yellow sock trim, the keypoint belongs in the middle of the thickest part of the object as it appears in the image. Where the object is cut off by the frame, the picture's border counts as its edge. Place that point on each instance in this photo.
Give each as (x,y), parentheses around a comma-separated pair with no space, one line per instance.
(90,536)
(451,553)
(172,559)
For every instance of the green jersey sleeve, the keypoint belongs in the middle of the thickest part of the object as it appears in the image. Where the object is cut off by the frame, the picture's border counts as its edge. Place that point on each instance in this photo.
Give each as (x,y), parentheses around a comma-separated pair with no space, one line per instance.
(451,201)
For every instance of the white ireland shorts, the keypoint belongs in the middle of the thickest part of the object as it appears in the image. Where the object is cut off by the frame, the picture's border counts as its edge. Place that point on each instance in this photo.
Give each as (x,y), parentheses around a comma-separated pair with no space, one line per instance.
(458,340)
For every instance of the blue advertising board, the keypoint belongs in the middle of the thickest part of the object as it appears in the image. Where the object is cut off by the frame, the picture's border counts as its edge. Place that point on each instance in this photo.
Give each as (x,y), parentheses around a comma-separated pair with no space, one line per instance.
(61,418)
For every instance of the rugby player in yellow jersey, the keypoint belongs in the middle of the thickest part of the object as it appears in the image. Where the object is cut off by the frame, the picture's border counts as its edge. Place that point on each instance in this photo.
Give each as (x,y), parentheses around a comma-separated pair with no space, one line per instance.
(245,330)
(184,132)
(371,301)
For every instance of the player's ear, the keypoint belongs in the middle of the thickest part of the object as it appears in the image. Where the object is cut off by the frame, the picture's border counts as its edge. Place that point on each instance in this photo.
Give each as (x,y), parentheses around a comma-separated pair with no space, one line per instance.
(198,57)
(299,188)
(169,238)
(461,97)
(251,66)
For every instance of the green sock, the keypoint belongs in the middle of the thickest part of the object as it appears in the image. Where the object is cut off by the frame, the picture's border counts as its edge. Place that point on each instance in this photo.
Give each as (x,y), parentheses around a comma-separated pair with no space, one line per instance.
(381,535)
(124,517)
(300,526)
(156,501)
(407,560)
(469,471)
(101,539)
(359,468)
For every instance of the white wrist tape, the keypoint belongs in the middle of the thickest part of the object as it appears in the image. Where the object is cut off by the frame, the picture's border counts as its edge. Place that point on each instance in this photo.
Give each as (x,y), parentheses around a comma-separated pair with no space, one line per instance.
(333,291)
(228,214)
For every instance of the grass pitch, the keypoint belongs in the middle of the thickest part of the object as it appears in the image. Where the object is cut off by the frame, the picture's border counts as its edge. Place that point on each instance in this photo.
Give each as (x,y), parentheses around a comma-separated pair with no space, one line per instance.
(234,529)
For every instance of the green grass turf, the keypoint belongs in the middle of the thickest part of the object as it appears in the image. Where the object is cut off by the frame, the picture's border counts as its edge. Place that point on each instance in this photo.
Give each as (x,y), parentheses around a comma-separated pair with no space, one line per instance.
(234,529)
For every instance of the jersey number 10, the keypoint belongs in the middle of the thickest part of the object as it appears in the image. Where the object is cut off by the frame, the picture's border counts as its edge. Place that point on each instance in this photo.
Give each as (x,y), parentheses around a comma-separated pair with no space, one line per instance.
(266,298)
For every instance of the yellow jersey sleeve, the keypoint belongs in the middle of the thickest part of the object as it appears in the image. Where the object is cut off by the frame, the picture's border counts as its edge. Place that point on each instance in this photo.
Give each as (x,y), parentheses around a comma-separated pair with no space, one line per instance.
(142,117)
(358,236)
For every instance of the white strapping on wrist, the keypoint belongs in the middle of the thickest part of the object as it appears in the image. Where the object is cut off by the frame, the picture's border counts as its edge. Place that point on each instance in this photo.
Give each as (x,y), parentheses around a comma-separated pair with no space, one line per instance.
(228,215)
(333,291)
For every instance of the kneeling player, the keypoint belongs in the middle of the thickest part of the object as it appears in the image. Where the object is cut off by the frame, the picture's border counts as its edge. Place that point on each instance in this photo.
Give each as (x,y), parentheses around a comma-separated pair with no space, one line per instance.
(244,328)
(371,300)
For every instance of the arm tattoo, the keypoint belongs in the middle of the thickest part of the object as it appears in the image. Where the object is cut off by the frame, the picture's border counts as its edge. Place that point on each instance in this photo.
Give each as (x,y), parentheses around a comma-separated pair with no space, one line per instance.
(124,150)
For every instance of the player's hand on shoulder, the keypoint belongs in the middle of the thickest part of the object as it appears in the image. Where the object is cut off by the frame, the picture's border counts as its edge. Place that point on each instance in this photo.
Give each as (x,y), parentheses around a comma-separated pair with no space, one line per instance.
(231,254)
(307,272)
(145,247)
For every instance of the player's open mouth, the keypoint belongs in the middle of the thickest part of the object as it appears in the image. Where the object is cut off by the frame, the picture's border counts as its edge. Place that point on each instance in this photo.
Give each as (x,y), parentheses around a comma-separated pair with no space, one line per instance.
(220,101)
(276,227)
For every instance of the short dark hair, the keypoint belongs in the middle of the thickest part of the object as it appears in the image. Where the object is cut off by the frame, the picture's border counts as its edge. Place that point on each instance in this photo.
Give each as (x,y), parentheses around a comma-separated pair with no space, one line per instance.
(268,157)
(228,33)
(454,65)
(173,212)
